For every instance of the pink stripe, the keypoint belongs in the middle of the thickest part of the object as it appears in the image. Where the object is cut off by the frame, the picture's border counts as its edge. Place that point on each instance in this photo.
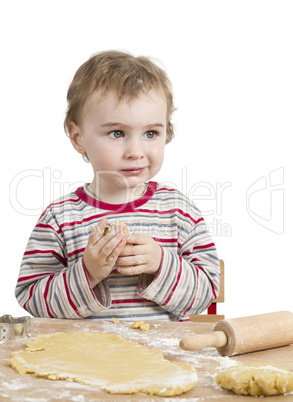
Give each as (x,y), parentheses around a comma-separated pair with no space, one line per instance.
(102,215)
(213,289)
(203,270)
(81,250)
(168,189)
(68,295)
(194,259)
(129,207)
(45,226)
(31,252)
(191,304)
(30,295)
(186,254)
(59,203)
(178,278)
(165,240)
(204,246)
(87,278)
(91,218)
(129,301)
(46,294)
(170,211)
(25,278)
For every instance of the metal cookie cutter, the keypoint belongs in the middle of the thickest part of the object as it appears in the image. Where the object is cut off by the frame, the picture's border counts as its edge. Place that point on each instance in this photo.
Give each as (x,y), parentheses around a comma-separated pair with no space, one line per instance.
(13,328)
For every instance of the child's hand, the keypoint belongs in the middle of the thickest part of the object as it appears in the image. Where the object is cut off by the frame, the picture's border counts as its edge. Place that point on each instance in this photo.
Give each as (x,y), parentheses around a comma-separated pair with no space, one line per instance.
(101,253)
(142,255)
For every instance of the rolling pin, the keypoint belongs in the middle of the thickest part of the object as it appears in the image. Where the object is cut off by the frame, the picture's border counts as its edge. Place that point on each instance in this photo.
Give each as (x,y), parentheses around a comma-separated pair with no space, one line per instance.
(246,334)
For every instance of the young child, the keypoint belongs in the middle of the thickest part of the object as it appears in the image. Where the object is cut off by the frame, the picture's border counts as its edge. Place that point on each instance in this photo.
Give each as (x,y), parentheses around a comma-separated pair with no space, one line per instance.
(119,119)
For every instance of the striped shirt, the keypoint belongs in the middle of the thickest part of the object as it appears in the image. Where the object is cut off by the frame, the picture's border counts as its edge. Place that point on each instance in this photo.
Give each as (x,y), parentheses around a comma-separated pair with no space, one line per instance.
(53,280)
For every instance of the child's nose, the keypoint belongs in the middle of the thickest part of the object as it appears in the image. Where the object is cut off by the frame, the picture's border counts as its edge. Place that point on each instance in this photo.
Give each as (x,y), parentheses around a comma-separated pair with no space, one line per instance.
(134,150)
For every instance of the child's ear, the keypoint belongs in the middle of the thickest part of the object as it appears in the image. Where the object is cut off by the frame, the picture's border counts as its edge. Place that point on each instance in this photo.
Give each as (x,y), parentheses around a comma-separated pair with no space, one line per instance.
(76,138)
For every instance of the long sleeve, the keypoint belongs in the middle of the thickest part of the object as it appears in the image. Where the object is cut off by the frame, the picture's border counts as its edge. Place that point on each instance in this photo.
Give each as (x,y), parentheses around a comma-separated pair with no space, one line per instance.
(47,286)
(53,280)
(188,279)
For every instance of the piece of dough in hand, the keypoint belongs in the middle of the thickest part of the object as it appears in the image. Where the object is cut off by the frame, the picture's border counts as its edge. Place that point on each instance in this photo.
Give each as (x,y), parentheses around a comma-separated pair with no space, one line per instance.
(106,361)
(109,227)
(123,227)
(256,379)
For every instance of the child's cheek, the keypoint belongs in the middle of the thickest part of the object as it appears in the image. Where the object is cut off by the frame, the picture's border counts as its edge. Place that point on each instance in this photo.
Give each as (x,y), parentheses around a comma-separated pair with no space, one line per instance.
(156,164)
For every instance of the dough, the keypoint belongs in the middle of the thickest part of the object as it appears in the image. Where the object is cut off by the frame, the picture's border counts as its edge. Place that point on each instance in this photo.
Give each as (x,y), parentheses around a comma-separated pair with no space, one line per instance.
(140,325)
(113,226)
(110,227)
(256,379)
(106,361)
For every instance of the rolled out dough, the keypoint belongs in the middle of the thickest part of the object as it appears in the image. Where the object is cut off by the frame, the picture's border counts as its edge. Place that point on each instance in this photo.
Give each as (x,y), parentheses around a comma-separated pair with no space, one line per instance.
(256,379)
(106,361)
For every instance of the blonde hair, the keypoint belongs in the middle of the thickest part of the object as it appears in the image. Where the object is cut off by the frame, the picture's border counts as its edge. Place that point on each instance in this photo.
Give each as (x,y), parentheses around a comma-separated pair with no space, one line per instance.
(127,75)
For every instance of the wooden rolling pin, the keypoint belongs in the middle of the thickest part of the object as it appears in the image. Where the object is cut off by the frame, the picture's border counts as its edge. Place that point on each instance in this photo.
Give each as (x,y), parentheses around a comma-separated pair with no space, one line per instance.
(246,334)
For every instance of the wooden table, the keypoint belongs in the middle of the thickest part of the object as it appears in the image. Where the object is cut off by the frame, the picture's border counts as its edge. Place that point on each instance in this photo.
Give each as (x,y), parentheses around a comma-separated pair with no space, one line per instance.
(16,387)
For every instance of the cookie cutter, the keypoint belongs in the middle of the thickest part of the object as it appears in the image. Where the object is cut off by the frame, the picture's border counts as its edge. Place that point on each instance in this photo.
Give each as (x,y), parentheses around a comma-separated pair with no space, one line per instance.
(13,328)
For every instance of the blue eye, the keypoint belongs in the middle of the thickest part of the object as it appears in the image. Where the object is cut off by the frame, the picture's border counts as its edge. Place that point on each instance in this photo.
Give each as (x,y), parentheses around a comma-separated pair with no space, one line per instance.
(116,134)
(150,134)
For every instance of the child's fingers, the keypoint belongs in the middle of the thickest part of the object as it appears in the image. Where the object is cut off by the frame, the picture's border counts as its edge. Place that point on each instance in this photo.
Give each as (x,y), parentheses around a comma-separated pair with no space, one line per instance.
(117,246)
(108,243)
(138,239)
(136,270)
(132,250)
(131,260)
(95,234)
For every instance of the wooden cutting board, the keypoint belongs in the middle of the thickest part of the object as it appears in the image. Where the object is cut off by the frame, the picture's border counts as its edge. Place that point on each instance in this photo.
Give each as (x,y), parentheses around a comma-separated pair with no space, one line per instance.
(164,336)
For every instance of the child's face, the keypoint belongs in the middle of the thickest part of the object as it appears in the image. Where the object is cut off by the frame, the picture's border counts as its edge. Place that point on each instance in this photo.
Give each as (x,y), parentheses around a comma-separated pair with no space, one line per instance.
(124,140)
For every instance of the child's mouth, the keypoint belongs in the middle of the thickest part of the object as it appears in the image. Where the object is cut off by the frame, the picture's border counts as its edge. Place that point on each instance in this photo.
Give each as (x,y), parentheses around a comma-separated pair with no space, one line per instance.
(133,172)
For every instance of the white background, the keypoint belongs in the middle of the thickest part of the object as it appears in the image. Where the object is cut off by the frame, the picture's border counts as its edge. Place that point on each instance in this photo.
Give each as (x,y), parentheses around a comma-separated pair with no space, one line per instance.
(231,66)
